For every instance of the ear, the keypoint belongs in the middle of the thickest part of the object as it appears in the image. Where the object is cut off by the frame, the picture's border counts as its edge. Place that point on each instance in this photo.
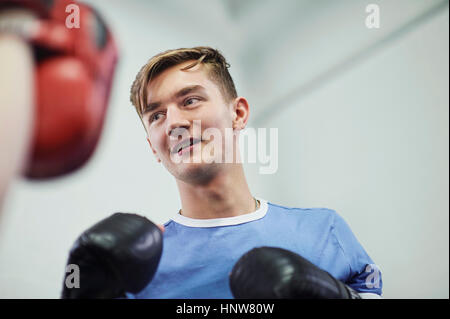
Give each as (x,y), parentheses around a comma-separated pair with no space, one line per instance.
(154,152)
(241,112)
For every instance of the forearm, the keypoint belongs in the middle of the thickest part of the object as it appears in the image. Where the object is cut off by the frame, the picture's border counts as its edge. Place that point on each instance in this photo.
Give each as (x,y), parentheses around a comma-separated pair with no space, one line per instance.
(16,107)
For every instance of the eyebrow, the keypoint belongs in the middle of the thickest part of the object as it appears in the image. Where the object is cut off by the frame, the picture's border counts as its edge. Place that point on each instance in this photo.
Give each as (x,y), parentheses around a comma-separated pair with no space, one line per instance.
(183,92)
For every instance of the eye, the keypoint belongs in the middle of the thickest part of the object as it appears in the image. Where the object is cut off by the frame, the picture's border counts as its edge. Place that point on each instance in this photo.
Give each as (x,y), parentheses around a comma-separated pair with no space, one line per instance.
(191,100)
(154,117)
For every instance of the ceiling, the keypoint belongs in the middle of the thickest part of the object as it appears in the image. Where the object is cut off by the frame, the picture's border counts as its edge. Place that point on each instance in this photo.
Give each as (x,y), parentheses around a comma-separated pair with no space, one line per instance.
(279,50)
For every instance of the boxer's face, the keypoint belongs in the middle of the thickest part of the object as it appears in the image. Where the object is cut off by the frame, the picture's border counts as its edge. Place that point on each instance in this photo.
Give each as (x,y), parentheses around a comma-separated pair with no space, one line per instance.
(175,99)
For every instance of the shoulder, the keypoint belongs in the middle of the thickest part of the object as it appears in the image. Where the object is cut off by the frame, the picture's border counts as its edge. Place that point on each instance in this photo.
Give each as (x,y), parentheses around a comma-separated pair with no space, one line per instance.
(315,210)
(313,213)
(311,221)
(167,223)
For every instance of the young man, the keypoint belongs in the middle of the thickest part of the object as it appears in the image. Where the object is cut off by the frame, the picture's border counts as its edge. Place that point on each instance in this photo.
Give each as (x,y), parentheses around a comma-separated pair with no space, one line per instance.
(179,95)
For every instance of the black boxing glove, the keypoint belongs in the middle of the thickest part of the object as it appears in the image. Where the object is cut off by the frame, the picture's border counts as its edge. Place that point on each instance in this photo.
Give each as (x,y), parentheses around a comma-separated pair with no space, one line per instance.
(276,273)
(119,254)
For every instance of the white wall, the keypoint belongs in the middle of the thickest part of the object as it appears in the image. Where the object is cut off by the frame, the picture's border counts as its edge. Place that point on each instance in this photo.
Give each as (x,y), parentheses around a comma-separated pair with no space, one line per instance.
(372,143)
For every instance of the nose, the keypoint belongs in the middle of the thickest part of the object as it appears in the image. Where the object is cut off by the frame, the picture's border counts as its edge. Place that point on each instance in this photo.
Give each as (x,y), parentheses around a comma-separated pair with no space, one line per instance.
(176,121)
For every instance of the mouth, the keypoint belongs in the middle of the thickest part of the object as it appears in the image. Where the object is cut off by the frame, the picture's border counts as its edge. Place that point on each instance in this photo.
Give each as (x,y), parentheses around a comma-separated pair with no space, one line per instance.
(185,145)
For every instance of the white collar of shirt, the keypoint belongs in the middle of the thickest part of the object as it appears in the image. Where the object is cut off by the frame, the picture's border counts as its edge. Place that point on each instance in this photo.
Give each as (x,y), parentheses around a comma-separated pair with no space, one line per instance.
(227,221)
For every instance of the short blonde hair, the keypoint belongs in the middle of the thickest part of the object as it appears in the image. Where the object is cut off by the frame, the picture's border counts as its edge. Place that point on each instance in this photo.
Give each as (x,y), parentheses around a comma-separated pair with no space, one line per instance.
(217,68)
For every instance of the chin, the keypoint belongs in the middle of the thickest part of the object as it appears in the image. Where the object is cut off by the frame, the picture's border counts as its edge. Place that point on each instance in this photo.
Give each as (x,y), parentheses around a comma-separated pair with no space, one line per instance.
(196,173)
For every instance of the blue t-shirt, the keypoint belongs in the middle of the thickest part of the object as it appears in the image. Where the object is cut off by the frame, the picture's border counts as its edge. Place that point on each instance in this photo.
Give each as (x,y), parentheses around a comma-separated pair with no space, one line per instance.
(198,254)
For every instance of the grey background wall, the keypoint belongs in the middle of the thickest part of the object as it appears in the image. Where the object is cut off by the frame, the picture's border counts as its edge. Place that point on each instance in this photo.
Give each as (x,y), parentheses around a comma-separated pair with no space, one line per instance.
(362,119)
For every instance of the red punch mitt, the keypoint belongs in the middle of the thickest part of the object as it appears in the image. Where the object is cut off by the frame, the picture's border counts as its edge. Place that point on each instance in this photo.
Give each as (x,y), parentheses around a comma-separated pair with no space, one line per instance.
(75,56)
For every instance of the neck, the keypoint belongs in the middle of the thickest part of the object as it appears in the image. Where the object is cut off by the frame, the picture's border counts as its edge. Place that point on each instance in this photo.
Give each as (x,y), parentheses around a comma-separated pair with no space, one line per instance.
(226,195)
